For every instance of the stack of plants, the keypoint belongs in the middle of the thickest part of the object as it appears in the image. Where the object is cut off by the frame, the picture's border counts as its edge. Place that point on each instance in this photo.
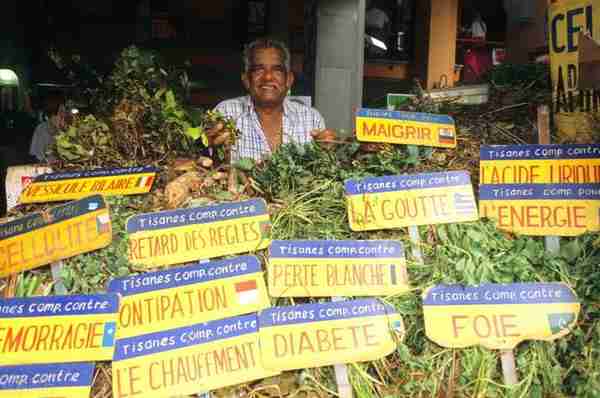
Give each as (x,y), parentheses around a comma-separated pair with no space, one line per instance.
(142,122)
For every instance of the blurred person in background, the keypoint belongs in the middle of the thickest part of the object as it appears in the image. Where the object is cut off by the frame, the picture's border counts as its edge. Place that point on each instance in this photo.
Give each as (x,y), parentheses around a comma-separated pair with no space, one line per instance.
(53,120)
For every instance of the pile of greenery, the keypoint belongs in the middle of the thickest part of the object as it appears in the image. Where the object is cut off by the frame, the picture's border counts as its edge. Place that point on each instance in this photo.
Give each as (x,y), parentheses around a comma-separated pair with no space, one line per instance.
(138,117)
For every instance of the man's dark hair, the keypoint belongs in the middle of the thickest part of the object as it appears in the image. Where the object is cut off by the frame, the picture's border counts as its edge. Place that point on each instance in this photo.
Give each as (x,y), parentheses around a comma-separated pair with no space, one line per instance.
(263,43)
(52,101)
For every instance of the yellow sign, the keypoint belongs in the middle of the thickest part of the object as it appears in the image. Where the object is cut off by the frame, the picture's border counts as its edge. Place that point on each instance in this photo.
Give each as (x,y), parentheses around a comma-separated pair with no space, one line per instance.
(188,360)
(67,380)
(184,235)
(498,316)
(541,189)
(571,106)
(184,296)
(313,335)
(77,185)
(405,200)
(410,128)
(46,329)
(63,232)
(321,268)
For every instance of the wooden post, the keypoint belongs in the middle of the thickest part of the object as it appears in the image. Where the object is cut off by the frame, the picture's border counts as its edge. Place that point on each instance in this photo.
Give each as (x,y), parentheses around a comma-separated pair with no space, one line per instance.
(56,269)
(509,370)
(543,125)
(341,372)
(415,239)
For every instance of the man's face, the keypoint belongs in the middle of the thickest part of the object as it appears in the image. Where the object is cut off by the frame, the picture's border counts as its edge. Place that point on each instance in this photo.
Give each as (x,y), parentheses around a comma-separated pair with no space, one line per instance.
(267,79)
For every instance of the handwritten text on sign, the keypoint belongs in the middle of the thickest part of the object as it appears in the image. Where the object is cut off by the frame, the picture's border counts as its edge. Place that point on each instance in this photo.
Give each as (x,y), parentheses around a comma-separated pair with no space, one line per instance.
(405,200)
(184,235)
(184,296)
(77,185)
(498,316)
(411,128)
(57,329)
(66,380)
(188,360)
(319,268)
(541,189)
(312,335)
(571,106)
(65,231)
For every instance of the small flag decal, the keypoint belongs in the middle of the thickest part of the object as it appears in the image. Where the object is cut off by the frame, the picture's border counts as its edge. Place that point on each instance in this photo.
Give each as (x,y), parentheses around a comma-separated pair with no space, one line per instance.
(446,135)
(108,338)
(247,292)
(464,204)
(145,181)
(103,223)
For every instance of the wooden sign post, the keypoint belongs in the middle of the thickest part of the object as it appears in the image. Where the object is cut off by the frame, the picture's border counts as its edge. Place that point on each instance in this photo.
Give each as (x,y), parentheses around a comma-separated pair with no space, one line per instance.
(543,125)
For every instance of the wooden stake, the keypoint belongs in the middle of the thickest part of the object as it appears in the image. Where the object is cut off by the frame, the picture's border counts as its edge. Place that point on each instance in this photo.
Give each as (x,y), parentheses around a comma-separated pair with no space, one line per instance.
(552,243)
(509,369)
(415,239)
(341,372)
(56,269)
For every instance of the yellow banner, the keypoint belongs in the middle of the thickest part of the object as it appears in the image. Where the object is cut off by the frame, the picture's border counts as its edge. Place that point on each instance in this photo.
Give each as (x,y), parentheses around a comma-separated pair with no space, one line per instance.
(189,360)
(498,316)
(184,296)
(540,171)
(341,268)
(409,128)
(179,236)
(57,329)
(543,217)
(571,106)
(400,201)
(313,335)
(63,232)
(77,185)
(70,380)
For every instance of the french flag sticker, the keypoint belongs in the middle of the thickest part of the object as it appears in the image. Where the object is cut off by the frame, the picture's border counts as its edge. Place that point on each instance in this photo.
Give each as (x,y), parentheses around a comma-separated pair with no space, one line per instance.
(247,292)
(145,181)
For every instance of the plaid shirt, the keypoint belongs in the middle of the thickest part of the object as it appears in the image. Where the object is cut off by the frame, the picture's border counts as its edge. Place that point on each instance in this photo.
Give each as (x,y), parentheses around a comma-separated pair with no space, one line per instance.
(298,121)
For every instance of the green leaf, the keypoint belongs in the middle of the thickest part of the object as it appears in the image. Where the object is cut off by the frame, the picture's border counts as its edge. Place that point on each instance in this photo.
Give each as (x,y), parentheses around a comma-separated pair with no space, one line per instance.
(571,250)
(245,164)
(193,132)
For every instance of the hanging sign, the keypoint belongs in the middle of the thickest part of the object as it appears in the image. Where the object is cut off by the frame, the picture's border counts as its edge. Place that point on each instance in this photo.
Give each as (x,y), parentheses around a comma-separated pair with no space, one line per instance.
(572,107)
(541,189)
(410,128)
(406,200)
(321,268)
(313,335)
(188,360)
(58,380)
(498,316)
(184,296)
(79,184)
(57,329)
(184,235)
(62,232)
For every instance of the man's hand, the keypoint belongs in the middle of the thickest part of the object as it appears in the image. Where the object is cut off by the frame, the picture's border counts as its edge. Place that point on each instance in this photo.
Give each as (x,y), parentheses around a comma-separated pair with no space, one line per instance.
(326,137)
(218,134)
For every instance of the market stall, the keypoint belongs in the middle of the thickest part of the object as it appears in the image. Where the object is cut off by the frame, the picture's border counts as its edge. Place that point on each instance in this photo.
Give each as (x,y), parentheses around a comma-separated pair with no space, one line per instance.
(400,260)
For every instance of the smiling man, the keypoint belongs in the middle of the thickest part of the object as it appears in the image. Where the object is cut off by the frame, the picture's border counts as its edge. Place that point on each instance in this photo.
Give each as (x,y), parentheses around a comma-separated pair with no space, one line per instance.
(266,117)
